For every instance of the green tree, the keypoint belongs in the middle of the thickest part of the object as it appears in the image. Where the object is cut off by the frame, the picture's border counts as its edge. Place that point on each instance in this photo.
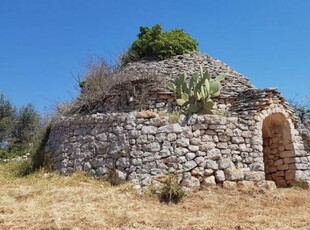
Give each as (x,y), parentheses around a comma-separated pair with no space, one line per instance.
(26,128)
(7,122)
(154,43)
(302,110)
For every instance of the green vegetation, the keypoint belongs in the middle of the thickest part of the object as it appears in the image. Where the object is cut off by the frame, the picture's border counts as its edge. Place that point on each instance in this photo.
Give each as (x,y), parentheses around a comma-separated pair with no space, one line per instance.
(302,110)
(196,96)
(154,43)
(21,131)
(171,191)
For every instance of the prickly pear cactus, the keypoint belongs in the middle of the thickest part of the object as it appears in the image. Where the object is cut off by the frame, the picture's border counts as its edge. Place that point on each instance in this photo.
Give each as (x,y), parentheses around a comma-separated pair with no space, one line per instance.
(195,95)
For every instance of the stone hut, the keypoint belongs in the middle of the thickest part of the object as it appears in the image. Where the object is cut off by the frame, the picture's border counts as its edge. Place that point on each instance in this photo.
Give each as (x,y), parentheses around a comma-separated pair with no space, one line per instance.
(253,134)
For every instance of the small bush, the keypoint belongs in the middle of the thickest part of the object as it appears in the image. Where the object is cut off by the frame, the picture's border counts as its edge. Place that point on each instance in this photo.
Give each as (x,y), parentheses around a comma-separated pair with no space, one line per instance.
(154,43)
(171,191)
(24,168)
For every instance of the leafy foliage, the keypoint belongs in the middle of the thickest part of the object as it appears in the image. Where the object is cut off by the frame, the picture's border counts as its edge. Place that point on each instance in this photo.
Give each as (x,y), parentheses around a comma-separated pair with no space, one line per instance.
(171,191)
(19,128)
(26,128)
(302,110)
(7,121)
(196,96)
(154,43)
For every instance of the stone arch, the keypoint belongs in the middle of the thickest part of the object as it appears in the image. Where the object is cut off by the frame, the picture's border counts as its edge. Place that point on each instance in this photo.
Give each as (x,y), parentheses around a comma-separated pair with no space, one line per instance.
(278,149)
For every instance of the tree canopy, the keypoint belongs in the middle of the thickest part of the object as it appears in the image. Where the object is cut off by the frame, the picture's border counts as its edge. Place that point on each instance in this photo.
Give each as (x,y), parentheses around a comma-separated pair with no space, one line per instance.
(154,43)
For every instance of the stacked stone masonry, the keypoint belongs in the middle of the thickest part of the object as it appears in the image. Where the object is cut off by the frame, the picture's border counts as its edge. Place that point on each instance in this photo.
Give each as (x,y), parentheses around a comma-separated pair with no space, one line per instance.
(251,136)
(139,146)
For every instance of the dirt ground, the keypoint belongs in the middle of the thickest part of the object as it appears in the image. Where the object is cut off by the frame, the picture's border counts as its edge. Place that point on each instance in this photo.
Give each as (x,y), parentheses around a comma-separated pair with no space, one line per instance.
(49,201)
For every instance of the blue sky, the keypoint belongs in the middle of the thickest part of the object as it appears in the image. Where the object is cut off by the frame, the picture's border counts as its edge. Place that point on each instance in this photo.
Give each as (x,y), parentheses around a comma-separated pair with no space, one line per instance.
(43,44)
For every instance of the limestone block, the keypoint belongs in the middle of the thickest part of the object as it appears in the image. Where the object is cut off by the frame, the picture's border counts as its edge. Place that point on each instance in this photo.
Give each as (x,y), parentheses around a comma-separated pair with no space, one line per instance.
(171,128)
(171,137)
(146,114)
(136,153)
(230,185)
(190,156)
(142,139)
(102,137)
(207,138)
(201,153)
(199,126)
(101,171)
(196,133)
(207,146)
(257,166)
(152,147)
(266,184)
(181,151)
(195,141)
(223,138)
(210,164)
(161,137)
(287,154)
(283,167)
(219,176)
(291,160)
(221,145)
(87,166)
(302,166)
(280,174)
(278,162)
(118,177)
(225,163)
(182,142)
(254,176)
(233,174)
(200,161)
(208,172)
(136,161)
(289,147)
(193,148)
(209,181)
(214,154)
(290,175)
(134,133)
(237,140)
(197,172)
(192,183)
(123,162)
(164,153)
(189,165)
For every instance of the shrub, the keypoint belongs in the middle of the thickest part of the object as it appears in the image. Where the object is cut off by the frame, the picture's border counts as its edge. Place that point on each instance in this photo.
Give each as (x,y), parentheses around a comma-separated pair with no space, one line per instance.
(302,110)
(171,191)
(104,88)
(154,43)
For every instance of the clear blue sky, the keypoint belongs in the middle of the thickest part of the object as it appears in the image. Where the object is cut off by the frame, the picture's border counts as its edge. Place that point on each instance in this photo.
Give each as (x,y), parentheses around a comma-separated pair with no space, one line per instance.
(43,44)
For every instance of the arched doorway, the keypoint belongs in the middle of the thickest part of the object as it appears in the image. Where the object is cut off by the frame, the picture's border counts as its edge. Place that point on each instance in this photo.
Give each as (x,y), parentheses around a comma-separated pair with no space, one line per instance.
(278,150)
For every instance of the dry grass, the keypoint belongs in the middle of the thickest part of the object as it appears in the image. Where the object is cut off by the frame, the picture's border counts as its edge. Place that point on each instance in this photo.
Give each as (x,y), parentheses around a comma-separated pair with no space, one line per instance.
(49,201)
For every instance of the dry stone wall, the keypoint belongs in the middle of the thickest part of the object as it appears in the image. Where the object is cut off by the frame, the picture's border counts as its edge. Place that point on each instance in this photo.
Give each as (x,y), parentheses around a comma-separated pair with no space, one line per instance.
(140,146)
(190,63)
(252,136)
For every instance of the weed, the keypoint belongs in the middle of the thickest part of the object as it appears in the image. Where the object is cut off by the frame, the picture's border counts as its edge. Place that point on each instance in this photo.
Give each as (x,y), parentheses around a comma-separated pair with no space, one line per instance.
(171,191)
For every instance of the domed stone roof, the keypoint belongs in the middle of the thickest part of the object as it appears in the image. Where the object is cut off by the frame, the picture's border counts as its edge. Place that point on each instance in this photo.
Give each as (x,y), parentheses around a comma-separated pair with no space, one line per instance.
(233,84)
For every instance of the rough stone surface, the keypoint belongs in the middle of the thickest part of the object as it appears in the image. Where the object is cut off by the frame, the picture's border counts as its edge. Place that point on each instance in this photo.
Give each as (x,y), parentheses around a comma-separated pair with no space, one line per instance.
(254,137)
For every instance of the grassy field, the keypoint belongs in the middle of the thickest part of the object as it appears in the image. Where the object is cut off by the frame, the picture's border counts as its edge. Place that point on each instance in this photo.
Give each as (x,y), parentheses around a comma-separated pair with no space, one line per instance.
(49,201)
